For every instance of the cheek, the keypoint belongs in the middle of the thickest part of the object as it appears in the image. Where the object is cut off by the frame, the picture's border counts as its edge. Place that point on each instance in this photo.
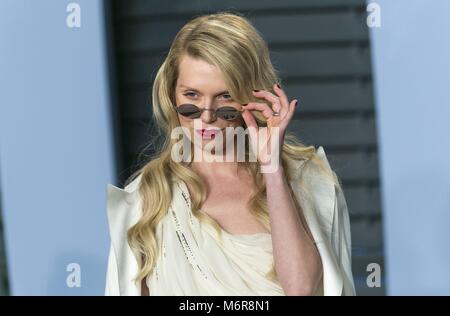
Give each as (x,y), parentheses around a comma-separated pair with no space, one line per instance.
(185,122)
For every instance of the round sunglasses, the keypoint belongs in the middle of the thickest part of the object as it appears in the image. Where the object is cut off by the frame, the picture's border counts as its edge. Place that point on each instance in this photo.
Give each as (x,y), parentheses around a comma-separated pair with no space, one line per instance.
(227,113)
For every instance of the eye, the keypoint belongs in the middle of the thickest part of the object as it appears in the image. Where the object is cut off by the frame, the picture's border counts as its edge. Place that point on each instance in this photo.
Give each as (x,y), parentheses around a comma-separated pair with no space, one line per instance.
(190,94)
(226,96)
(228,113)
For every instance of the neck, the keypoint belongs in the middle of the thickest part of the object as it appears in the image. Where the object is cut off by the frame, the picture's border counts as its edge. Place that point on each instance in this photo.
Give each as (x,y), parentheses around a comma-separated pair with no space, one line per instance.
(216,168)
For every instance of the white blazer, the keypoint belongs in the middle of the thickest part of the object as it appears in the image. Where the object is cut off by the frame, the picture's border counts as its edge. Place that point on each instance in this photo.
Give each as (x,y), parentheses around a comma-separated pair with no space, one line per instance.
(326,214)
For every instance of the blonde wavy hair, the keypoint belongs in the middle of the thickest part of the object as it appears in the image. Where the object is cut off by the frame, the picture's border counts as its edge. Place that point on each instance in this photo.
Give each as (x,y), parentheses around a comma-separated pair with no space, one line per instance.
(229,41)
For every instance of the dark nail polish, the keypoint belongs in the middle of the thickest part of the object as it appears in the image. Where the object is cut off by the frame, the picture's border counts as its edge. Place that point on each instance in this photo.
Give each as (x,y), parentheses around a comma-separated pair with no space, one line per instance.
(278,86)
(256,90)
(296,102)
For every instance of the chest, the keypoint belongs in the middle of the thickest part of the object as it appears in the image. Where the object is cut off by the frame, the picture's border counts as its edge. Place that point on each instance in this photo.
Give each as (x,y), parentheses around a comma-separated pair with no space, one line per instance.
(229,205)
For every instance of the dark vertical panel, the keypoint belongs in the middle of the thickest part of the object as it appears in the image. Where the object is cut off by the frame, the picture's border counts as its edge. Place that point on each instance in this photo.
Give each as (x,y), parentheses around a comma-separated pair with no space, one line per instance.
(4,284)
(116,111)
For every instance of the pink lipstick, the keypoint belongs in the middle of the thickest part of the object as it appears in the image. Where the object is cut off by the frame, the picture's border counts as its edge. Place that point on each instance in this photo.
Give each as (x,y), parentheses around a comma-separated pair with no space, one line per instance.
(207,133)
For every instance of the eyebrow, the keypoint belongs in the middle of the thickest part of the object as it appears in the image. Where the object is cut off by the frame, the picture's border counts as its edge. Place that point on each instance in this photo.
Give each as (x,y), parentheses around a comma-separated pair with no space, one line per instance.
(192,89)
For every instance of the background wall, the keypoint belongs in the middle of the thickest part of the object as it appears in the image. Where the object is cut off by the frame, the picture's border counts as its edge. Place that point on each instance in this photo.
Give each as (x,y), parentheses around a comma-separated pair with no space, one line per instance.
(56,151)
(411,62)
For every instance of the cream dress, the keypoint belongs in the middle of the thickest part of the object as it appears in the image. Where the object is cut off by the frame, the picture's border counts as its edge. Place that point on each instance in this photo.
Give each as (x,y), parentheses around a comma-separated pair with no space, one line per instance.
(195,260)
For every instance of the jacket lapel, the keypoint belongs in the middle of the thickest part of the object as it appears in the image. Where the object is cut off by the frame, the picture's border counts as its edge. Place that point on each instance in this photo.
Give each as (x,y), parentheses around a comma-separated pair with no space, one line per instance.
(123,211)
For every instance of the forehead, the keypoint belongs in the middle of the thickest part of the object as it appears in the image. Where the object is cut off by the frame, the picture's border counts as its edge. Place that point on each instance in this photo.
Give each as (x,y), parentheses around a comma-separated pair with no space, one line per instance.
(199,74)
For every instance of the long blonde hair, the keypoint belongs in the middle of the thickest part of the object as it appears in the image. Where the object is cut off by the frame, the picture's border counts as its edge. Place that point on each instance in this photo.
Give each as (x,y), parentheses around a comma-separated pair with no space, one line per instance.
(229,41)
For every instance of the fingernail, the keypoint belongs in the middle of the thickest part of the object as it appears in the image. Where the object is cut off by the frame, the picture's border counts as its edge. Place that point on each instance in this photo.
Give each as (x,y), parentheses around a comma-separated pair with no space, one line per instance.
(296,102)
(278,86)
(244,104)
(255,90)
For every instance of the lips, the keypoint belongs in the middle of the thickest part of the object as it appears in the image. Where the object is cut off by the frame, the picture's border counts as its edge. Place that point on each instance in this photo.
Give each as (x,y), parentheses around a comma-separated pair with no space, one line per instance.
(208,132)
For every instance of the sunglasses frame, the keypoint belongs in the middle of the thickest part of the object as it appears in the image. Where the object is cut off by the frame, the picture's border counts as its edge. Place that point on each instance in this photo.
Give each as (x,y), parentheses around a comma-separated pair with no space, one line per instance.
(200,111)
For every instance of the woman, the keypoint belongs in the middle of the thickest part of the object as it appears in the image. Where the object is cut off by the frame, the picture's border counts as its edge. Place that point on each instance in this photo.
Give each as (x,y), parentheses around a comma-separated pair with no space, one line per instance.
(274,225)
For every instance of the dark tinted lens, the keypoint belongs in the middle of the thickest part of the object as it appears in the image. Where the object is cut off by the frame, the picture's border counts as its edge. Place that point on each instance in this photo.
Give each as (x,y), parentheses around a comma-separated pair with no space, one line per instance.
(189,110)
(228,113)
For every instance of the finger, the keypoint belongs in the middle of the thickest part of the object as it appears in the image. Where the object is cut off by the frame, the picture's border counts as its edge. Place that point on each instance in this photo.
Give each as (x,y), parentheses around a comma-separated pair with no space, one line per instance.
(291,112)
(284,101)
(263,107)
(252,128)
(249,119)
(272,98)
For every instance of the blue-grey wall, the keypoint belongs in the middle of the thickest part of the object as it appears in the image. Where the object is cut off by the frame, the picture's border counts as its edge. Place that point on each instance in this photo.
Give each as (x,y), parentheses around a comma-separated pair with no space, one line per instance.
(56,152)
(411,58)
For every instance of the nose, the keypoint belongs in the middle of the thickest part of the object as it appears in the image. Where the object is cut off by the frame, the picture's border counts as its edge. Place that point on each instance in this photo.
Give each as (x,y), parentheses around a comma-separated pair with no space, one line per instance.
(208,115)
